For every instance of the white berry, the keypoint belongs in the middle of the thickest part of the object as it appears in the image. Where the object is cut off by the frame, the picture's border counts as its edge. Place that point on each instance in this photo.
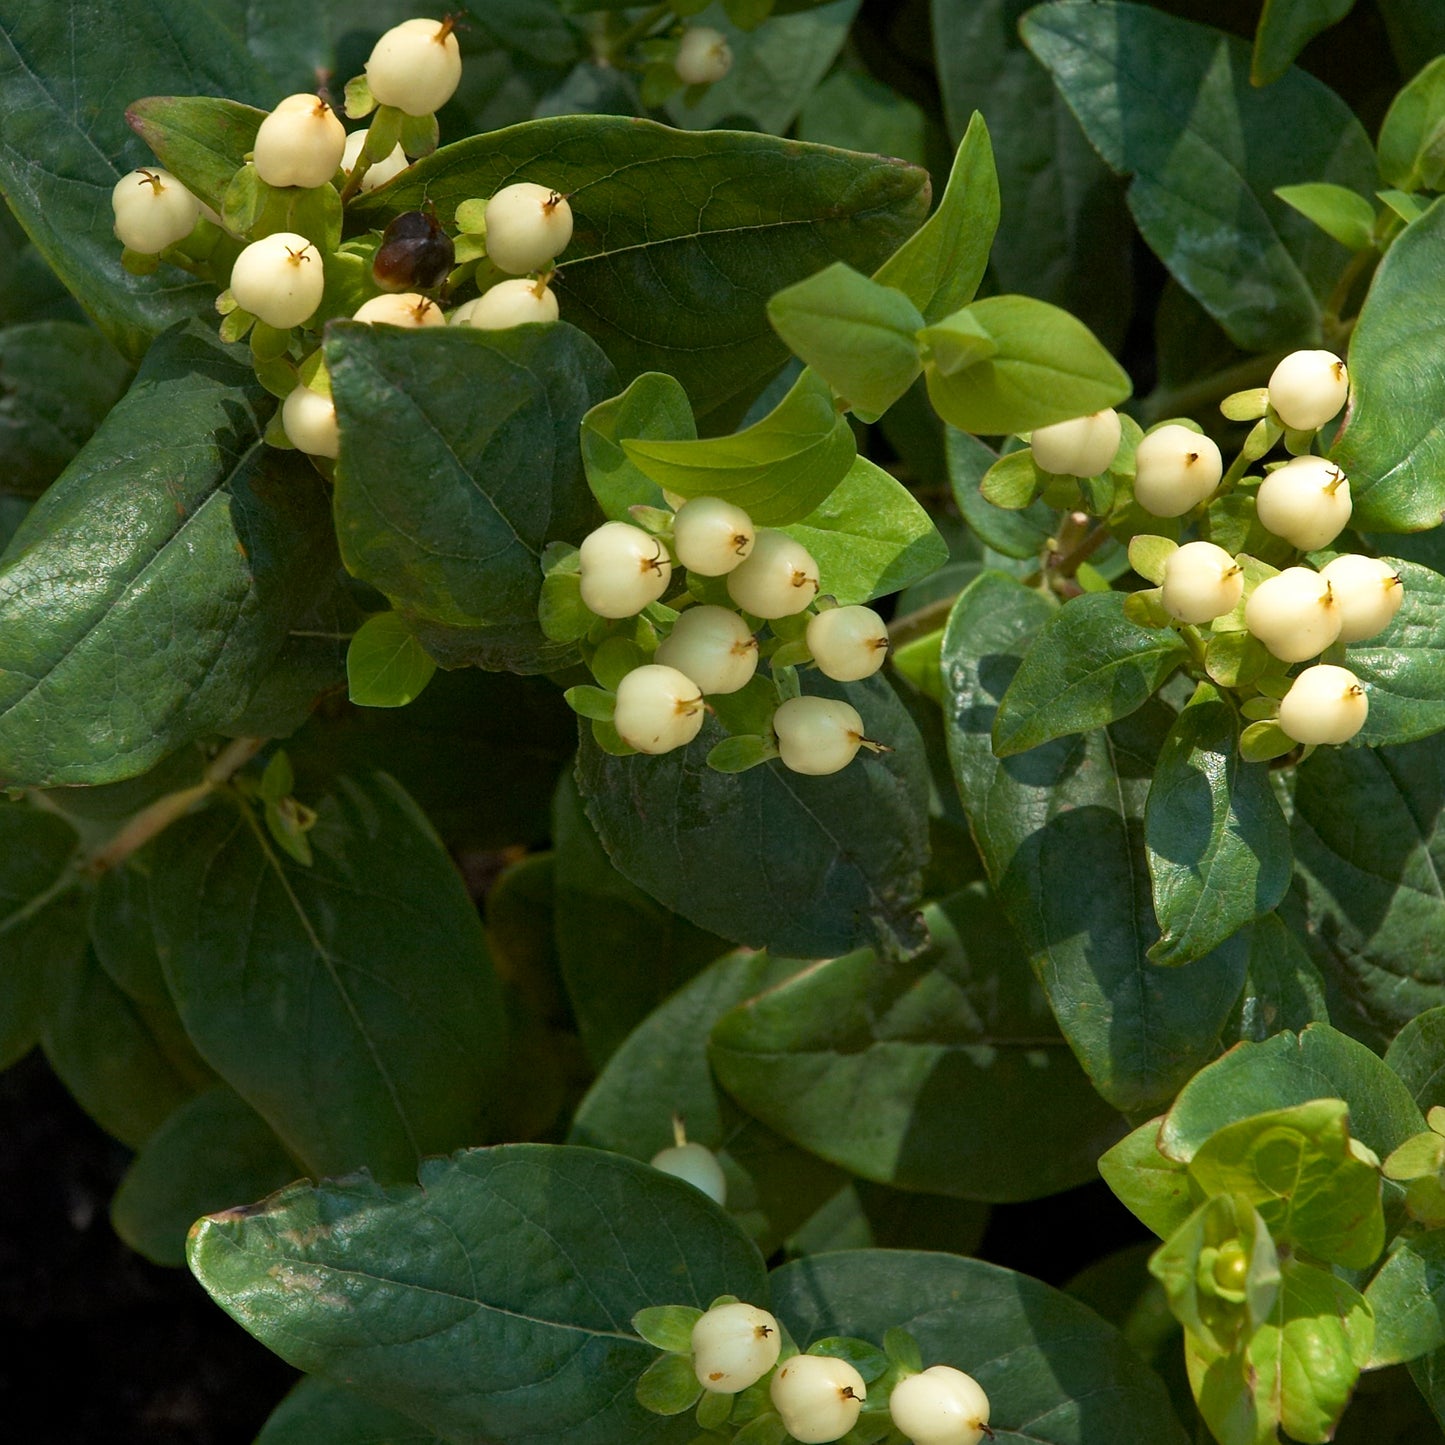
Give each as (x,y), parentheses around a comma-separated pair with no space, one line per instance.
(300,143)
(940,1406)
(1369,592)
(848,643)
(778,578)
(527,225)
(1294,614)
(713,646)
(658,709)
(401,308)
(622,569)
(153,210)
(711,536)
(1201,582)
(698,1165)
(818,1397)
(734,1346)
(703,56)
(378,173)
(1325,704)
(817,735)
(415,66)
(279,279)
(309,420)
(462,316)
(1175,470)
(1306,501)
(512,303)
(1082,447)
(1307,388)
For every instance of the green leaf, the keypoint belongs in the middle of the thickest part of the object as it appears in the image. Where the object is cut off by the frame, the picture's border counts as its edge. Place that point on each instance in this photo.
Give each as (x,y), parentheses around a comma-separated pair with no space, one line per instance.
(668,1386)
(1053,1370)
(352,1004)
(1153,1187)
(956,343)
(853,110)
(856,334)
(316,1412)
(1020,531)
(777,470)
(438,1321)
(1060,832)
(1170,103)
(1408,1300)
(729,219)
(459,462)
(667,1327)
(1285,28)
(1216,836)
(1284,989)
(1088,666)
(1412,138)
(1389,447)
(200,140)
(149,591)
(1048,368)
(873,1064)
(1417,1055)
(807,867)
(1404,666)
(212,1152)
(385,664)
(739,753)
(1339,212)
(653,408)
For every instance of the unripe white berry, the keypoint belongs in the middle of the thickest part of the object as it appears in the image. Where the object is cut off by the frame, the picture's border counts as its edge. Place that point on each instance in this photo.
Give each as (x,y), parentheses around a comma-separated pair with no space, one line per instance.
(1369,592)
(512,303)
(1175,470)
(818,1397)
(279,279)
(698,1165)
(1082,447)
(713,646)
(1306,501)
(415,66)
(848,643)
(153,210)
(378,173)
(658,709)
(817,735)
(622,569)
(703,56)
(1201,582)
(527,225)
(1307,388)
(401,308)
(711,536)
(1325,704)
(778,578)
(309,420)
(300,143)
(462,316)
(940,1406)
(734,1346)
(1294,614)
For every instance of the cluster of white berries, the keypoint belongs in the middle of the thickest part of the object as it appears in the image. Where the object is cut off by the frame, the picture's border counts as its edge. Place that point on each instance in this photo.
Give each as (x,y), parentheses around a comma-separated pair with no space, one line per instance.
(714,650)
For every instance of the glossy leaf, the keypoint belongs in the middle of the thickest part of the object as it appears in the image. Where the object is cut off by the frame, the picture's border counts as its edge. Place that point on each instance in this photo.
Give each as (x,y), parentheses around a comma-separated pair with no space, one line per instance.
(1285,28)
(1408,1298)
(1404,666)
(149,591)
(439,1322)
(317,1412)
(1411,136)
(653,408)
(385,664)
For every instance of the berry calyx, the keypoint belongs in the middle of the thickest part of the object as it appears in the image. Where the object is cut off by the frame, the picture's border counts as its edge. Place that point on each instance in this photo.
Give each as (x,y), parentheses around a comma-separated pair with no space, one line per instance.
(415,253)
(1201,582)
(1325,704)
(513,303)
(153,210)
(713,646)
(1175,470)
(658,709)
(1369,592)
(818,1397)
(378,173)
(1308,388)
(1306,501)
(703,56)
(1082,447)
(698,1165)
(778,578)
(712,536)
(1294,614)
(940,1406)
(817,735)
(415,66)
(300,143)
(279,279)
(527,225)
(309,421)
(622,569)
(734,1346)
(405,308)
(848,643)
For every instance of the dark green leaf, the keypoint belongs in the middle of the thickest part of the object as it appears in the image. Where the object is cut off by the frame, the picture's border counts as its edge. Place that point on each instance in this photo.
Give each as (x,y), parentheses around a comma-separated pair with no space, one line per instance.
(202,141)
(1285,28)
(1412,139)
(1284,989)
(1015,532)
(316,1412)
(653,408)
(150,589)
(385,664)
(853,110)
(1408,1298)
(438,1320)
(352,1003)
(1418,1056)
(1339,212)
(1148,1183)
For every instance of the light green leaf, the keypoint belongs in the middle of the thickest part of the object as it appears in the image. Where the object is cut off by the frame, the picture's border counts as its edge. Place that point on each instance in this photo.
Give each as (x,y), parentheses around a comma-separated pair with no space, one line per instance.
(1338,211)
(317,1412)
(653,408)
(1153,1187)
(200,140)
(1408,1300)
(385,664)
(1285,28)
(1412,138)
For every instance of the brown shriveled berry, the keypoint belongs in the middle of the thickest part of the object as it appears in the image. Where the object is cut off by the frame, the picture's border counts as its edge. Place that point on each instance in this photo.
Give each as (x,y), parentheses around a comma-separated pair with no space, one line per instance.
(415,254)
